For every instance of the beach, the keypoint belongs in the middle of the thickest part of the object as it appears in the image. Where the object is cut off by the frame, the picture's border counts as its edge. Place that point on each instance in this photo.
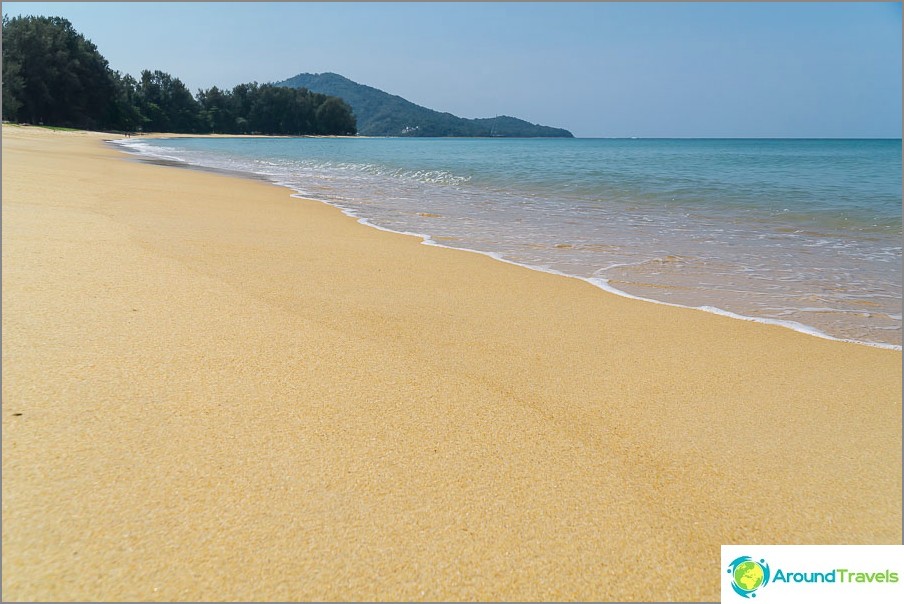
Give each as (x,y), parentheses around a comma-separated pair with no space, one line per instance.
(215,391)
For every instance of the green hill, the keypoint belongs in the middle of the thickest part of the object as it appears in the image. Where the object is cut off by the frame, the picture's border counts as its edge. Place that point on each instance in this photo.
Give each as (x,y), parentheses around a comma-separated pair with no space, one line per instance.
(379,113)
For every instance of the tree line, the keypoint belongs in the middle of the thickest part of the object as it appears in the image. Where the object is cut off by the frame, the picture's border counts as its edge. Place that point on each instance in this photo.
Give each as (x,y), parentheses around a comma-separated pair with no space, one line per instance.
(53,75)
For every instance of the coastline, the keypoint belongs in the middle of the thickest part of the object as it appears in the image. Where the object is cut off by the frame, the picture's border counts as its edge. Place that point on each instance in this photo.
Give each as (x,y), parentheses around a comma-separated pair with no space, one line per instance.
(724,307)
(228,393)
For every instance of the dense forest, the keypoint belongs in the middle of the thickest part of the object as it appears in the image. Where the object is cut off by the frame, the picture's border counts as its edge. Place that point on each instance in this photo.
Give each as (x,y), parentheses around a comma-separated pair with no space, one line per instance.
(379,113)
(53,75)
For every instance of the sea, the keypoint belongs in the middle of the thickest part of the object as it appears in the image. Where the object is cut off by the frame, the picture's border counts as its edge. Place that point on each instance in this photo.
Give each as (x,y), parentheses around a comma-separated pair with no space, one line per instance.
(796,232)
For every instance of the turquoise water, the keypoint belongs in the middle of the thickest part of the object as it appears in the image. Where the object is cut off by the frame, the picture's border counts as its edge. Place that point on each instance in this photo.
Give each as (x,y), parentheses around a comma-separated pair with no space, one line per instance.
(806,233)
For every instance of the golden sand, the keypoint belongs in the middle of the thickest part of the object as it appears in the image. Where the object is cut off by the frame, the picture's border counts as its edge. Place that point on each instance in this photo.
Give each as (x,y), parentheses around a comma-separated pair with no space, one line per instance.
(214,391)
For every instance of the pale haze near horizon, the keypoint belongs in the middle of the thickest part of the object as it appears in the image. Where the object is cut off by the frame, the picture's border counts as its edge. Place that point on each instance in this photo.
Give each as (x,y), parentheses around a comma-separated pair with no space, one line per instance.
(804,70)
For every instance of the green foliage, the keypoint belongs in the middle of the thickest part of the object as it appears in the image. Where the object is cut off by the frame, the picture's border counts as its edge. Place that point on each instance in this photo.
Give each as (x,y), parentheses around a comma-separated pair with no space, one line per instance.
(52,75)
(124,112)
(334,115)
(269,109)
(167,104)
(381,114)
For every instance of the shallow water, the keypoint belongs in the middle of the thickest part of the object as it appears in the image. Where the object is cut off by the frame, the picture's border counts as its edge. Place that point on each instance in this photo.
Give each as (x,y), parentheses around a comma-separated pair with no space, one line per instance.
(802,232)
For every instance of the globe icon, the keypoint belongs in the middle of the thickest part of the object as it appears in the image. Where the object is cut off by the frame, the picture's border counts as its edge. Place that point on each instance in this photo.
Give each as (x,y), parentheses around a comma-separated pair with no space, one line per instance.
(748,575)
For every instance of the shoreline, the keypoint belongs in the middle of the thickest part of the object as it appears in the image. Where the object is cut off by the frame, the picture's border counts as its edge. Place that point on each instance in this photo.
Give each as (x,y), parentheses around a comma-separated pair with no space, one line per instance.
(215,390)
(427,239)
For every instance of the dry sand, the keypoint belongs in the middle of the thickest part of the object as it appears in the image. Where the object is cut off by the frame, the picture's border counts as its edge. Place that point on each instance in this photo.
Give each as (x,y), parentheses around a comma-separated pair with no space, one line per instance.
(214,391)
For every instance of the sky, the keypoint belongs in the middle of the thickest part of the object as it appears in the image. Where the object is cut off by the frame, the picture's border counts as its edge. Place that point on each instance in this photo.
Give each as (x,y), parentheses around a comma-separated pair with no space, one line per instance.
(597,69)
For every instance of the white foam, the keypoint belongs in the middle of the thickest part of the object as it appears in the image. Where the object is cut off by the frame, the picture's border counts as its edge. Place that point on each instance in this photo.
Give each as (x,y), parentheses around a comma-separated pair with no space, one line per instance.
(143,148)
(603,284)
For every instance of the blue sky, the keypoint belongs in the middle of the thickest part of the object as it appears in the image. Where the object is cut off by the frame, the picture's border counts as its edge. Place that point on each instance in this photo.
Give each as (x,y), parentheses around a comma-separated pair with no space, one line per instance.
(598,69)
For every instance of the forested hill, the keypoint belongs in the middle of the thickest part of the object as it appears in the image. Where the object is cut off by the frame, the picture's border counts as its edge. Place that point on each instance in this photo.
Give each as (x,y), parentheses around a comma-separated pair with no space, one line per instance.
(379,113)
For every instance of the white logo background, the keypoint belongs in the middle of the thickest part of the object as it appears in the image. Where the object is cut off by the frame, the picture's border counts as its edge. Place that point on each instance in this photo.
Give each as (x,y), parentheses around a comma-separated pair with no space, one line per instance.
(819,558)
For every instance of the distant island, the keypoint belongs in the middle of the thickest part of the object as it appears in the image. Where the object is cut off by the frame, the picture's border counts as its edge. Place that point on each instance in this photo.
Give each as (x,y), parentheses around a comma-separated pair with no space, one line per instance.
(379,113)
